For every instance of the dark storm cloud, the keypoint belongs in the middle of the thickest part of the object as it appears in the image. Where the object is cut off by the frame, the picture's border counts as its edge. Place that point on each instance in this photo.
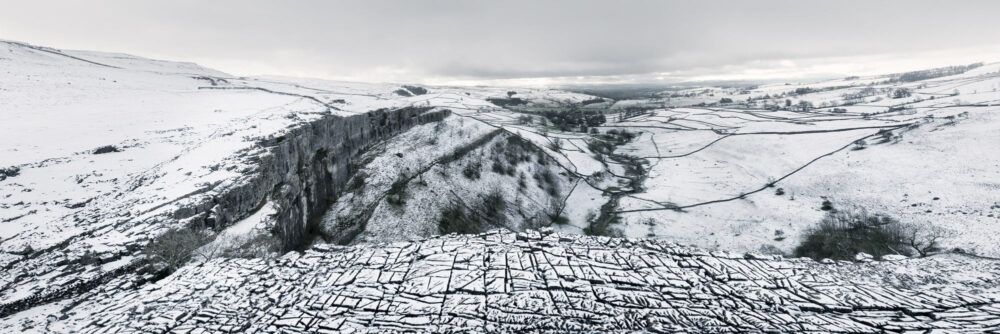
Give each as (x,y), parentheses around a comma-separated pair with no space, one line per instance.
(477,40)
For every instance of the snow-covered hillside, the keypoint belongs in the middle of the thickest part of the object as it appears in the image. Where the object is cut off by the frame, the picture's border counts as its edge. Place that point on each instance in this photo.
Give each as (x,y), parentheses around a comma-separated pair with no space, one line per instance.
(930,157)
(103,153)
(180,194)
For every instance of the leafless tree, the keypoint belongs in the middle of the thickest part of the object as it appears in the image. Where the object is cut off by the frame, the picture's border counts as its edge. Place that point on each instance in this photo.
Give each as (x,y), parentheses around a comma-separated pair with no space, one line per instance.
(174,248)
(925,238)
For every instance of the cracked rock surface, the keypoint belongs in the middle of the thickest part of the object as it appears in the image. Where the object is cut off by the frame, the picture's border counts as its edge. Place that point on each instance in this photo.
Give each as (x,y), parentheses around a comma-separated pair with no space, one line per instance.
(505,281)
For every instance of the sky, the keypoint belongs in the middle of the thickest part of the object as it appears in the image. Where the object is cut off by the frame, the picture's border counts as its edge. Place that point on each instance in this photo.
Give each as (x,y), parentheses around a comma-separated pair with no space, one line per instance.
(523,42)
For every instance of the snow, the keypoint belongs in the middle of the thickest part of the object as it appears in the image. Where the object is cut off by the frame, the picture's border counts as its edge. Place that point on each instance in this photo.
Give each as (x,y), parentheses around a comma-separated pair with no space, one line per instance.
(713,175)
(703,154)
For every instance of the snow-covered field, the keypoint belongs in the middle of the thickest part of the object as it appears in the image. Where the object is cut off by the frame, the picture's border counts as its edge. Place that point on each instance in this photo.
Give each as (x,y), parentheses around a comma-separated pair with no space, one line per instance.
(939,164)
(102,154)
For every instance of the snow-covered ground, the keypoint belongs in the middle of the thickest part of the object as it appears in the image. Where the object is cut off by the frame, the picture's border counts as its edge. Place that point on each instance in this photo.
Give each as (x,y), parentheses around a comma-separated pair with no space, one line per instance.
(507,282)
(939,165)
(175,139)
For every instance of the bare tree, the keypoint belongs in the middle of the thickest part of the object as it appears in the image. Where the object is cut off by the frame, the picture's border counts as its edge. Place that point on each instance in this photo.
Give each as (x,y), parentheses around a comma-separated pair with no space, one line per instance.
(556,144)
(173,248)
(925,238)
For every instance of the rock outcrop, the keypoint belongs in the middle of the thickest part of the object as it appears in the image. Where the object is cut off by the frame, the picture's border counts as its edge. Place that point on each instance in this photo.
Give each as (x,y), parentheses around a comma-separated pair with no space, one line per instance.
(507,282)
(300,172)
(309,166)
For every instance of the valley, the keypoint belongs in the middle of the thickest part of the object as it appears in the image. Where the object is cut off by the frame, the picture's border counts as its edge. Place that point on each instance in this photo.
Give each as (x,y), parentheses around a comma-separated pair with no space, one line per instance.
(140,195)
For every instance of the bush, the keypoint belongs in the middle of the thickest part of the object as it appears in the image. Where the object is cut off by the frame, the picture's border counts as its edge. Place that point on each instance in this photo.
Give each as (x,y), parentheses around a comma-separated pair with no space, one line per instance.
(544,176)
(455,218)
(397,192)
(804,90)
(106,149)
(11,171)
(508,102)
(358,181)
(173,249)
(555,144)
(416,90)
(860,144)
(619,137)
(900,93)
(493,206)
(574,118)
(472,170)
(490,211)
(844,233)
(560,220)
(924,238)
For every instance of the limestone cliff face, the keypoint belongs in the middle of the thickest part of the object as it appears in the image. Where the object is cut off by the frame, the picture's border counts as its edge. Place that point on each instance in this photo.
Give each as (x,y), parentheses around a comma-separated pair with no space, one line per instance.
(299,172)
(308,167)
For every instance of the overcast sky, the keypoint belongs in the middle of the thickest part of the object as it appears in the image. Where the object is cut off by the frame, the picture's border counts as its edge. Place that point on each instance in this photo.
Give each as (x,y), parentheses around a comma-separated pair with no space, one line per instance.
(523,42)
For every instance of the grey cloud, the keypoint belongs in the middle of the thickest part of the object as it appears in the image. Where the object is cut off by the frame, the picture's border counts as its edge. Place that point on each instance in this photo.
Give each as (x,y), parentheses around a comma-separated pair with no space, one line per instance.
(501,39)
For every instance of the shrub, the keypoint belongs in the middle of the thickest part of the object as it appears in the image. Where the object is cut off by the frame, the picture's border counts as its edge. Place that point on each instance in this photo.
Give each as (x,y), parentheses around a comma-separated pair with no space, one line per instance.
(506,102)
(901,93)
(472,170)
(358,181)
(416,90)
(11,171)
(455,218)
(493,207)
(553,189)
(106,149)
(544,176)
(173,249)
(924,238)
(619,137)
(397,192)
(574,118)
(555,144)
(932,73)
(501,168)
(844,233)
(860,144)
(598,146)
(489,211)
(542,158)
(560,220)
